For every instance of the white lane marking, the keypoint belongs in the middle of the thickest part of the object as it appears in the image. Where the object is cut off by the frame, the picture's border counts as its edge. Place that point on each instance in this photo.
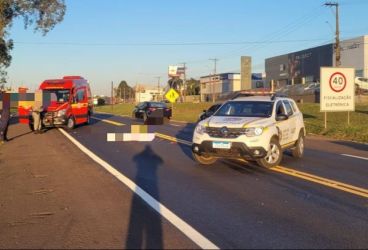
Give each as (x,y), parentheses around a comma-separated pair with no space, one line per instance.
(176,125)
(184,227)
(354,156)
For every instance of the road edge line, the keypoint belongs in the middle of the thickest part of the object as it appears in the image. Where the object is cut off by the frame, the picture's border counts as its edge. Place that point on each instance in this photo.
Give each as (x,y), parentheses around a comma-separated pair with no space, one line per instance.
(180,224)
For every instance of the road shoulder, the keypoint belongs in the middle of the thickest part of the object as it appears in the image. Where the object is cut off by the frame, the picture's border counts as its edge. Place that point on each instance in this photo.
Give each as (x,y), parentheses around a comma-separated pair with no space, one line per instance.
(54,196)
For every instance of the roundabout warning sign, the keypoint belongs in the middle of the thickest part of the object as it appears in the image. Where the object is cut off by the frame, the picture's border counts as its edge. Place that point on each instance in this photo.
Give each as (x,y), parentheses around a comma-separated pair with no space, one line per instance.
(337,89)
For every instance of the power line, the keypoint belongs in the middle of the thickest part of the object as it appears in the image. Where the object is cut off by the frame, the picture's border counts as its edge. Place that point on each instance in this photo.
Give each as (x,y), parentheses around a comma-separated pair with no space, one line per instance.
(165,44)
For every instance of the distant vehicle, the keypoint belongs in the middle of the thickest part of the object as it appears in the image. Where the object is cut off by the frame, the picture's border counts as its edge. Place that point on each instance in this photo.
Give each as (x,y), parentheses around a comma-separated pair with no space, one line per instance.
(207,113)
(311,86)
(71,103)
(361,83)
(146,110)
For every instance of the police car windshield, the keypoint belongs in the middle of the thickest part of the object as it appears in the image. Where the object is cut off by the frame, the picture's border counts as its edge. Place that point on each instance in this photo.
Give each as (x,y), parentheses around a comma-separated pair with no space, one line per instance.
(59,95)
(246,109)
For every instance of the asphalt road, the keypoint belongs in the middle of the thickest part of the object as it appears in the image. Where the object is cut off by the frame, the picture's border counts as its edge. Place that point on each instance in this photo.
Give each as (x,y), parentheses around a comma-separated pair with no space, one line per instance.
(314,202)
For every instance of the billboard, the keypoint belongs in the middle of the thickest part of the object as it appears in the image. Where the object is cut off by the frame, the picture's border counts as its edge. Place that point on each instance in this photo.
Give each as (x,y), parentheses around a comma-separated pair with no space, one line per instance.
(176,71)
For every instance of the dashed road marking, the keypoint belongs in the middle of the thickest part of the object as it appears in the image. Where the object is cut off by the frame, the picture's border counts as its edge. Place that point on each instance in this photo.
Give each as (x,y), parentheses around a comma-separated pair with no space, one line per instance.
(354,156)
(175,125)
(108,121)
(180,224)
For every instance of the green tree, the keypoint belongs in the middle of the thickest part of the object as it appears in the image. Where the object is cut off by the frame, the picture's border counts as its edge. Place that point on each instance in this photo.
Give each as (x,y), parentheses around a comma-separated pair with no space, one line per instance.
(42,14)
(193,87)
(175,83)
(124,91)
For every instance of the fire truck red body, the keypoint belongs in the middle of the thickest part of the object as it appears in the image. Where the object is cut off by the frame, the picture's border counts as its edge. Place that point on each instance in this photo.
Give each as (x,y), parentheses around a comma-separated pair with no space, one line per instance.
(66,102)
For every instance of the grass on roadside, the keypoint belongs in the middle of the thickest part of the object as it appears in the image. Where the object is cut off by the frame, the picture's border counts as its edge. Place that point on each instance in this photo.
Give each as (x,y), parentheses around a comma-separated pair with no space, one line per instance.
(337,122)
(337,126)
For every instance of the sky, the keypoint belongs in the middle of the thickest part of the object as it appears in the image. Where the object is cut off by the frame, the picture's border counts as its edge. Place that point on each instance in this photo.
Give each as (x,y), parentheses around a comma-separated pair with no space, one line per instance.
(136,40)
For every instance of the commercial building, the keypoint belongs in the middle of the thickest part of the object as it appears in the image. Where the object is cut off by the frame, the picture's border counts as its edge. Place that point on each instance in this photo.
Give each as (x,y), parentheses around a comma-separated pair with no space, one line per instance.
(148,94)
(304,66)
(214,86)
(223,84)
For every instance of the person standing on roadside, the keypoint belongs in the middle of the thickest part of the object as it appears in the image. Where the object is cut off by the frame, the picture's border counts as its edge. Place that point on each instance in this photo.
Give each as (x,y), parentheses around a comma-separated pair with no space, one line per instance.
(37,109)
(5,117)
(36,115)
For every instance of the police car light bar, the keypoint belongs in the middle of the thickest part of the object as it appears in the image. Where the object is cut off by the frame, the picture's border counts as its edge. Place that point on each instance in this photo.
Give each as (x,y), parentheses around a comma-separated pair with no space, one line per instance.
(247,93)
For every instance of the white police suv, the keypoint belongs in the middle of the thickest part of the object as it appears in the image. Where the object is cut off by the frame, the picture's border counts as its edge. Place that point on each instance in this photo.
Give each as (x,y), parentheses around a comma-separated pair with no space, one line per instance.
(254,128)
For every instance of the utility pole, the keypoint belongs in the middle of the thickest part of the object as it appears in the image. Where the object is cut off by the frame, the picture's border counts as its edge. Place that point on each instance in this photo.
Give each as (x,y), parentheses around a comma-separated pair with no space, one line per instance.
(185,80)
(112,95)
(214,74)
(337,38)
(158,87)
(124,95)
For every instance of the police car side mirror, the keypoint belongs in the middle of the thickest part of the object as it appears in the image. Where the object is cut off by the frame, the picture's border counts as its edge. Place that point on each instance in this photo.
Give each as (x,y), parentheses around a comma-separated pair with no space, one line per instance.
(281,117)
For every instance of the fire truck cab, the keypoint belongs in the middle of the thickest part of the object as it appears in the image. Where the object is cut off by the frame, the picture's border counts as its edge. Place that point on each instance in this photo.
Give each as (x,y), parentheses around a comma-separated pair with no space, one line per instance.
(66,102)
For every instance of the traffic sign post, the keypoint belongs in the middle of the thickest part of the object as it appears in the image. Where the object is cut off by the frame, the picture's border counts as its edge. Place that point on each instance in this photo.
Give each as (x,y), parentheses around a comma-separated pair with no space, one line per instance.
(171,95)
(337,90)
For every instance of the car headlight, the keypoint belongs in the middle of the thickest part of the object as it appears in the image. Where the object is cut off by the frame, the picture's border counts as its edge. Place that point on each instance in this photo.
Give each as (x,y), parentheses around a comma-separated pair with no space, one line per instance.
(61,112)
(200,129)
(253,131)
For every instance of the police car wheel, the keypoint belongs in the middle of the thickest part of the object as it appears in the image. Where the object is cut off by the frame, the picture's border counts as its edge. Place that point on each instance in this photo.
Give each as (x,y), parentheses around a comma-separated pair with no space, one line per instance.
(204,160)
(71,123)
(273,157)
(298,151)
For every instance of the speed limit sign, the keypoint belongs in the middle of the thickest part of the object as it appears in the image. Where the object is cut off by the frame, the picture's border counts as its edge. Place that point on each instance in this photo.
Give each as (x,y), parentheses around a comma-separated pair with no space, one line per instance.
(337,89)
(337,82)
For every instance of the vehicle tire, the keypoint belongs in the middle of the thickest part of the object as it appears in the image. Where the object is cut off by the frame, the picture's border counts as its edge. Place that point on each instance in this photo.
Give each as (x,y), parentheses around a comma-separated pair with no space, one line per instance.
(298,151)
(88,119)
(274,155)
(203,160)
(70,123)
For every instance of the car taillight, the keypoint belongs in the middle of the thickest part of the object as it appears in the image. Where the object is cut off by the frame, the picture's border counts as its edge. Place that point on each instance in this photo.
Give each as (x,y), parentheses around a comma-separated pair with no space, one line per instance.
(152,109)
(167,109)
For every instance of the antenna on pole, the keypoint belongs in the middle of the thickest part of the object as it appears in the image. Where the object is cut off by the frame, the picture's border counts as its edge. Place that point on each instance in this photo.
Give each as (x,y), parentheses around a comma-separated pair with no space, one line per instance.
(214,73)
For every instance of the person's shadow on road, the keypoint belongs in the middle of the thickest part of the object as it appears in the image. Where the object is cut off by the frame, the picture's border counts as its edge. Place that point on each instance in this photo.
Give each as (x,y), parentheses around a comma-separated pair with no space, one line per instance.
(145,229)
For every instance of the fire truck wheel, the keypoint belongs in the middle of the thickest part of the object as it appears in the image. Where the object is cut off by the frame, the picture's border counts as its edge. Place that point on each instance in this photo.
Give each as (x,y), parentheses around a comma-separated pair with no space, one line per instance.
(71,123)
(88,119)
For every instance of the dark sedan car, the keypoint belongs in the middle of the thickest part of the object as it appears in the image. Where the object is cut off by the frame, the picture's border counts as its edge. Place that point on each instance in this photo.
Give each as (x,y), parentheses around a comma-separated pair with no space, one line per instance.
(145,110)
(209,112)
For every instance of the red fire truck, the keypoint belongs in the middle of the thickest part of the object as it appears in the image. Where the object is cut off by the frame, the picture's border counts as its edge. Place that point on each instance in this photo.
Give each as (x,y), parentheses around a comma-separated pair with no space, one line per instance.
(66,102)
